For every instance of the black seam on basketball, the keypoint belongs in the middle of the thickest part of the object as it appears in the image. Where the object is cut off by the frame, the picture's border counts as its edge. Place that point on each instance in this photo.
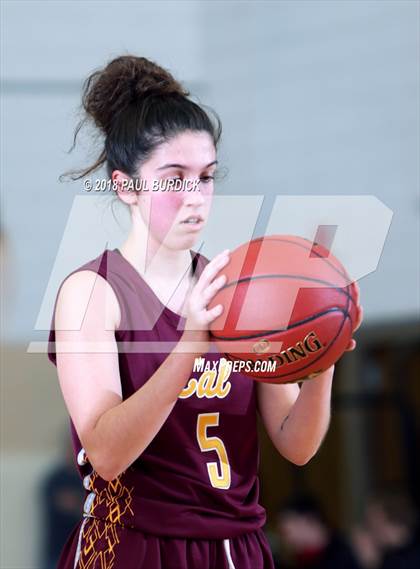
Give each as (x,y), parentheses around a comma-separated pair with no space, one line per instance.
(270,332)
(342,290)
(302,245)
(345,312)
(345,316)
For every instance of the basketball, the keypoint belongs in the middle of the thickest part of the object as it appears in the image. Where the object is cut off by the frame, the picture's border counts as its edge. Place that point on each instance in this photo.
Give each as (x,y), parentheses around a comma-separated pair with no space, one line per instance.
(289,309)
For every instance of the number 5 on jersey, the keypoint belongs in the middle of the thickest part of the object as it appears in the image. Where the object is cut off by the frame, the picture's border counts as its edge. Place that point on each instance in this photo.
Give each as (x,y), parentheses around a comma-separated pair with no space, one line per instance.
(207,443)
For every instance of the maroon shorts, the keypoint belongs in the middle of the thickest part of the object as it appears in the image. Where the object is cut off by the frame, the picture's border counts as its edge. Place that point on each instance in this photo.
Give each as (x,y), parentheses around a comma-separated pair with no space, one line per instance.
(97,544)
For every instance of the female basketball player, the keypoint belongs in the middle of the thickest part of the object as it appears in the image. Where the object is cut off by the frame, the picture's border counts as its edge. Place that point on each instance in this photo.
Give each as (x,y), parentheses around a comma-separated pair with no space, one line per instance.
(169,462)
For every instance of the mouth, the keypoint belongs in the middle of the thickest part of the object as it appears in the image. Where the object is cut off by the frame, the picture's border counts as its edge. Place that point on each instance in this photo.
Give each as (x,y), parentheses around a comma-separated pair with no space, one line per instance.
(193,222)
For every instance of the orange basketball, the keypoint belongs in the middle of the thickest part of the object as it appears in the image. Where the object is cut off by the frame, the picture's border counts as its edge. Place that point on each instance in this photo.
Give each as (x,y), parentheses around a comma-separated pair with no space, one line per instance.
(289,309)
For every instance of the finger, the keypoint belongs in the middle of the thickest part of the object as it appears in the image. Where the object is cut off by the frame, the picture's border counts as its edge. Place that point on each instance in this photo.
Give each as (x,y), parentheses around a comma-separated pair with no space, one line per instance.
(213,288)
(351,345)
(359,318)
(357,292)
(210,271)
(213,313)
(221,254)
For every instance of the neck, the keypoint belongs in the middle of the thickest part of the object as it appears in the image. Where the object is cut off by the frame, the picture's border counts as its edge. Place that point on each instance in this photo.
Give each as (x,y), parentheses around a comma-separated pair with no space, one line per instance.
(153,260)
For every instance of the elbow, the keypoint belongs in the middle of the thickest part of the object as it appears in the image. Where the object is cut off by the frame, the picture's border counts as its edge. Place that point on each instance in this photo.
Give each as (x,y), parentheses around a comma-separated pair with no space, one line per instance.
(105,473)
(109,470)
(99,456)
(100,463)
(300,460)
(297,455)
(107,476)
(106,470)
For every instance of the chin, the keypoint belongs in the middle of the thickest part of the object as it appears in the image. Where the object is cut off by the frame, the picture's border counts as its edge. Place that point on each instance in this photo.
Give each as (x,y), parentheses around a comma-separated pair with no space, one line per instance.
(182,244)
(191,241)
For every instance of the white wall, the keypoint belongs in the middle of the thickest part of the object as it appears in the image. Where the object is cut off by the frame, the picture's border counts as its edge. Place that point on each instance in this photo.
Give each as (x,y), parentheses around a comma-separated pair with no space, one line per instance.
(315,97)
(323,98)
(48,49)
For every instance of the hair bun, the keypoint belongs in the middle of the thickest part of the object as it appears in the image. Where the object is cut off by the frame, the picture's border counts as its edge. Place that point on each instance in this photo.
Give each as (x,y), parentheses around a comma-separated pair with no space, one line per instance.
(125,80)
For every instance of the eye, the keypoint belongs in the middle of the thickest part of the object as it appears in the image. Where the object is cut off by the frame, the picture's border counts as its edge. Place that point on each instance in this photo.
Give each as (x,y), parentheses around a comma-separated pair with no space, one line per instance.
(206,179)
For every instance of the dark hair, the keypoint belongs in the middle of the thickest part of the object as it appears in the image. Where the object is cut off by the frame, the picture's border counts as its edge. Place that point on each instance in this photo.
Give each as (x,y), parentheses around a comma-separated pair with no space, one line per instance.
(137,105)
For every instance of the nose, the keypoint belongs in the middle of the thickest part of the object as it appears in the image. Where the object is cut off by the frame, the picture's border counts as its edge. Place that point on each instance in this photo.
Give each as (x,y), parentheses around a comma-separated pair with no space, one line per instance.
(194,196)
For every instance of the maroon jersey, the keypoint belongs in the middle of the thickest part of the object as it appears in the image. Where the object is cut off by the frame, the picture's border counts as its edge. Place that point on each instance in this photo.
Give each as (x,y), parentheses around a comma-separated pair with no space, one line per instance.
(198,478)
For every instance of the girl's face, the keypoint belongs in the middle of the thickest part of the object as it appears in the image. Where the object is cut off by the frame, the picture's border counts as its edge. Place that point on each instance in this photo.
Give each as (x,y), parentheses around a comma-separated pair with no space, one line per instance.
(189,159)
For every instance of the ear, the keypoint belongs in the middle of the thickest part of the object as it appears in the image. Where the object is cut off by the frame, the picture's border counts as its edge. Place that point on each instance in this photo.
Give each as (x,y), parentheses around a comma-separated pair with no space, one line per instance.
(125,187)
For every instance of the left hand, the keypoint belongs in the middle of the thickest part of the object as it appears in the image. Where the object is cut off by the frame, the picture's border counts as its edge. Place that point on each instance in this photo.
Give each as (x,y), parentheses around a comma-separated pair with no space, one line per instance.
(328,373)
(352,343)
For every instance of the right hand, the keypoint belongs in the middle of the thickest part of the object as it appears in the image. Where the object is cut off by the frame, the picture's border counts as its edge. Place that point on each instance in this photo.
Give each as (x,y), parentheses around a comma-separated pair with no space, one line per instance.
(198,317)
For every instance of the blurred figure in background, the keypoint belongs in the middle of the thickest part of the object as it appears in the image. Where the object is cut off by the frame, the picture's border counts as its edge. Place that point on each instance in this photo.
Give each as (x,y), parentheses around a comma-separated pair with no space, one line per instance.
(308,540)
(62,496)
(389,535)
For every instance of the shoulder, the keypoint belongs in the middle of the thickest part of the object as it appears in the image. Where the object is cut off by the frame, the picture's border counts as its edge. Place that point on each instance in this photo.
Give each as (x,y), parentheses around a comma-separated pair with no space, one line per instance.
(86,290)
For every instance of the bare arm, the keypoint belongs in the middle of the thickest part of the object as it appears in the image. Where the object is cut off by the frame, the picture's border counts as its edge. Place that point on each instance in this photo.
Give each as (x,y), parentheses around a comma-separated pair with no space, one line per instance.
(297,420)
(122,433)
(115,432)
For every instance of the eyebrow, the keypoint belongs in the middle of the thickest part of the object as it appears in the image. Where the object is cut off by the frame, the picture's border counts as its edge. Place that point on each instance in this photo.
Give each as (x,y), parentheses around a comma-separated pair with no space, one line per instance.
(182,166)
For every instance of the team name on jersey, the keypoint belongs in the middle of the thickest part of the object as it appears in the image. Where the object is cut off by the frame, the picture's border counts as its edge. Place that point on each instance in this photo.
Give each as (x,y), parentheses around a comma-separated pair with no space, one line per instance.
(211,383)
